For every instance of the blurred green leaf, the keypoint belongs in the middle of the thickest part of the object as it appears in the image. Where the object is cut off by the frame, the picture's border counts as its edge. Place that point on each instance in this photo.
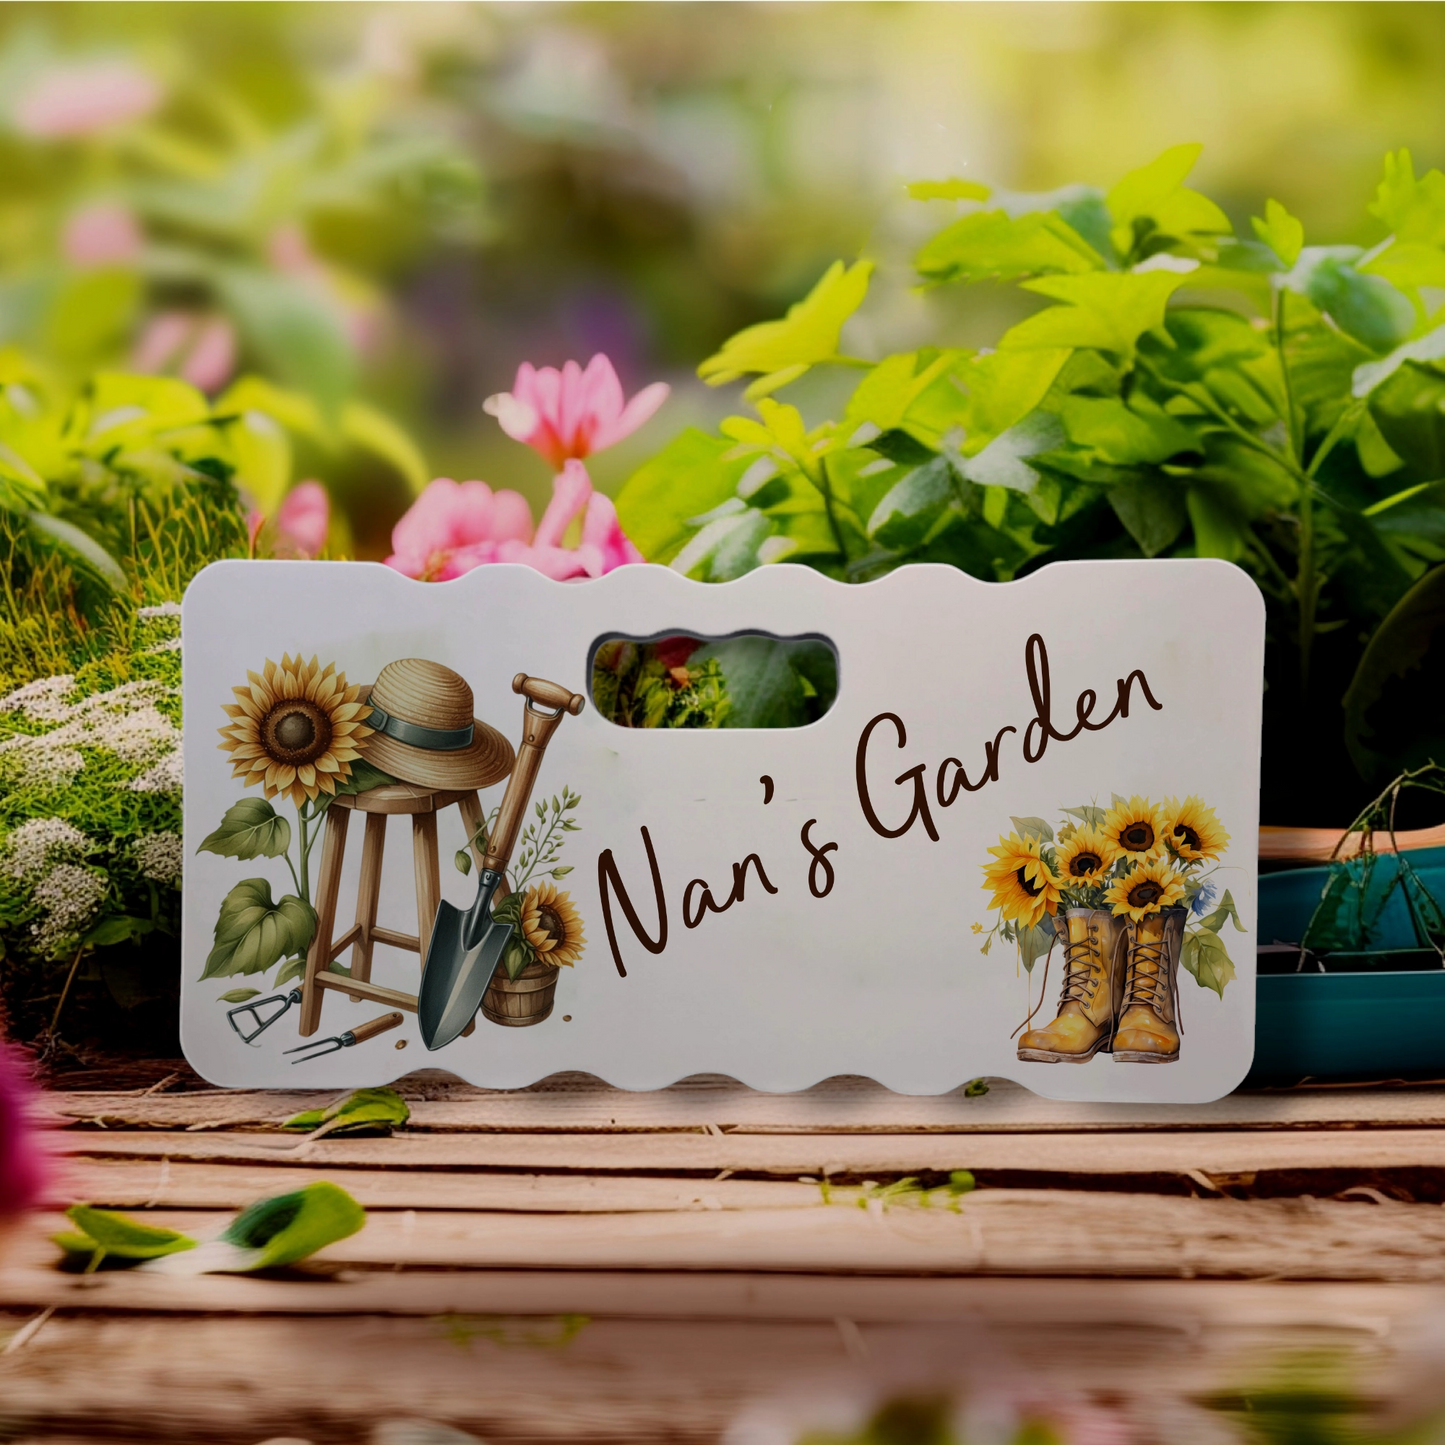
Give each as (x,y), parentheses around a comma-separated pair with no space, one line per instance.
(690,476)
(111,1233)
(377,433)
(781,351)
(990,245)
(294,331)
(291,1227)
(1280,231)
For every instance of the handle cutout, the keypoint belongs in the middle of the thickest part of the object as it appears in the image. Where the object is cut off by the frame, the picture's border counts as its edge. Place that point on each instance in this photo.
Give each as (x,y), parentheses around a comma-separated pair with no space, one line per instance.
(690,680)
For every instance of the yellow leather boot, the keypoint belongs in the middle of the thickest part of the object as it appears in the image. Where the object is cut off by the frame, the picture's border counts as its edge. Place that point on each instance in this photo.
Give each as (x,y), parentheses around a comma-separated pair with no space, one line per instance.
(1148,1031)
(1093,989)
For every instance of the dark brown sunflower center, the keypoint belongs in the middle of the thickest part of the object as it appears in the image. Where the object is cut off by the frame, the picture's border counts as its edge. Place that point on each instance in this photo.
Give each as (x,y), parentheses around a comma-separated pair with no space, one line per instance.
(296,732)
(1186,837)
(549,921)
(1028,885)
(1138,837)
(1083,865)
(1144,893)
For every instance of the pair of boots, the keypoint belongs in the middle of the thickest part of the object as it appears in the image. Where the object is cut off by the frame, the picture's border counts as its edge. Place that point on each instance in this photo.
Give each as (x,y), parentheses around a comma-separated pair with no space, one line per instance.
(1121,990)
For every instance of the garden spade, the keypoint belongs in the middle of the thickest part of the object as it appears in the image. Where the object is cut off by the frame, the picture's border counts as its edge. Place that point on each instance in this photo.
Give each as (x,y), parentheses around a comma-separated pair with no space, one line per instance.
(466,946)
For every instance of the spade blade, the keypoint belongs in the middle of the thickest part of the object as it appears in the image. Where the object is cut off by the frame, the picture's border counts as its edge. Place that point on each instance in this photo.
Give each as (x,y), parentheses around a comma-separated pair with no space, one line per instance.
(456,977)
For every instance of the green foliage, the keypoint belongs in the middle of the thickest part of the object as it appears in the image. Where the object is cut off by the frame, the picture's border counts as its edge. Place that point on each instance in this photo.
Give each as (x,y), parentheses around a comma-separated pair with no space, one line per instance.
(363,1111)
(1183,392)
(633,687)
(270,1234)
(251,829)
(781,351)
(253,933)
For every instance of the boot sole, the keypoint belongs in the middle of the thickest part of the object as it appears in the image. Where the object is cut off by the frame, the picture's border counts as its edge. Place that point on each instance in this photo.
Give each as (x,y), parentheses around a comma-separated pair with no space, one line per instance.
(1048,1056)
(1135,1056)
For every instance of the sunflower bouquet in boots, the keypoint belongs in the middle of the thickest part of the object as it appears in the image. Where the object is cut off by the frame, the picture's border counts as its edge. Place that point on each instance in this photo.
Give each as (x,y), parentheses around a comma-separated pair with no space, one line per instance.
(1117,888)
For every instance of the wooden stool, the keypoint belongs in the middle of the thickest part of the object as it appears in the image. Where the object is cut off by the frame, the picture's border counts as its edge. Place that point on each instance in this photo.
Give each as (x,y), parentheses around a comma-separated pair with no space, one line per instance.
(422,805)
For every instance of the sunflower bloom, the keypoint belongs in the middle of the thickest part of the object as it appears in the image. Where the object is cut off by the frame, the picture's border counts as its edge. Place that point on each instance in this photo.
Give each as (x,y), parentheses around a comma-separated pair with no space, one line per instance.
(1135,828)
(1024,886)
(295,729)
(1085,858)
(1192,830)
(1151,886)
(551,925)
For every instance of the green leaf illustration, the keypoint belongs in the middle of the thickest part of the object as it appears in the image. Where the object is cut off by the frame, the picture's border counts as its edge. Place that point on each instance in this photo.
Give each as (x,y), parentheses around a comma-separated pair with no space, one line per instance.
(1226,910)
(252,932)
(251,829)
(363,779)
(1033,828)
(293,968)
(1205,956)
(239,995)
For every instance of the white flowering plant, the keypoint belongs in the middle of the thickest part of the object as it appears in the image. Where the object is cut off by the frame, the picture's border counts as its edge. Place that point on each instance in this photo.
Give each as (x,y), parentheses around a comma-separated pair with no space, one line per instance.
(90,823)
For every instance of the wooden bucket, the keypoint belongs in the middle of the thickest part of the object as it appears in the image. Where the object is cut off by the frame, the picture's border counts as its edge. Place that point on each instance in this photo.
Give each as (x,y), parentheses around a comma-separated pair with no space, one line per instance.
(526,999)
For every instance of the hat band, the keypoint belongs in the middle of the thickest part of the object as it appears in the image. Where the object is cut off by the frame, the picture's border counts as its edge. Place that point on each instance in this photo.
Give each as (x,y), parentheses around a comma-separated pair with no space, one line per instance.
(433,740)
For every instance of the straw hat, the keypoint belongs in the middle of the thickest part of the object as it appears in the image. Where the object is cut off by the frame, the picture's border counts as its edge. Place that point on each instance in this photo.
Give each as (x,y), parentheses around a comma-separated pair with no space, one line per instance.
(425,732)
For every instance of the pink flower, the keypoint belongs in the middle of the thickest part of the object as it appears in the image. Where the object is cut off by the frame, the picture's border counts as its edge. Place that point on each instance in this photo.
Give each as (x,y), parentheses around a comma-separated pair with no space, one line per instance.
(452,528)
(82,98)
(202,349)
(603,545)
(455,526)
(570,414)
(103,234)
(304,519)
(23,1162)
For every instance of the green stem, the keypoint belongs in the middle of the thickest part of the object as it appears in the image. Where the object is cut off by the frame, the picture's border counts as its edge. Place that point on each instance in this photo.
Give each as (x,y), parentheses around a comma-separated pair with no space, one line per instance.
(825,486)
(303,883)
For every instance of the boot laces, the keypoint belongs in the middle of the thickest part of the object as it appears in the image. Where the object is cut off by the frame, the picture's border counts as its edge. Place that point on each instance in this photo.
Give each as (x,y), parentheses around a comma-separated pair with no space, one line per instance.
(1081,976)
(1150,989)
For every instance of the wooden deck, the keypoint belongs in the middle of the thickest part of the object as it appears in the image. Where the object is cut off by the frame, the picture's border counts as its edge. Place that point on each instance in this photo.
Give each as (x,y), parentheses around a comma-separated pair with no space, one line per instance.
(574,1261)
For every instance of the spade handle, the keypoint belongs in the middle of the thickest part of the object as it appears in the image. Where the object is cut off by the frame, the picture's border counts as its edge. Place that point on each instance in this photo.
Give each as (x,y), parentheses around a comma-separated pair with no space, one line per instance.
(372,1027)
(537,730)
(549,694)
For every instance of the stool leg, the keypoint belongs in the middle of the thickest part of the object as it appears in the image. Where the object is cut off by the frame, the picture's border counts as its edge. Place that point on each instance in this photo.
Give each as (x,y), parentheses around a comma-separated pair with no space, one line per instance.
(428,876)
(368,890)
(318,958)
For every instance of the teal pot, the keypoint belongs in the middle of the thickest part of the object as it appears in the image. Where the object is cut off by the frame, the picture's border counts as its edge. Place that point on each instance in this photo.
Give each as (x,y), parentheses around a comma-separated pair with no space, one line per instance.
(1378,1014)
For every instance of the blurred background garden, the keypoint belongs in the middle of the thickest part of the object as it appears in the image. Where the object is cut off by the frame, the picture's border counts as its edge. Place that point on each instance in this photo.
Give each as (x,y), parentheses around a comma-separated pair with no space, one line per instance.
(402,203)
(262,267)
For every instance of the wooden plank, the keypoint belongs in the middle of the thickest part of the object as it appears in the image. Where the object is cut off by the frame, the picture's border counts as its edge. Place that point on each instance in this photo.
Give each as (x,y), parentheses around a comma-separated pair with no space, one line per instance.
(1364,1306)
(144,1183)
(1003,1232)
(236,1380)
(580,1102)
(800,1154)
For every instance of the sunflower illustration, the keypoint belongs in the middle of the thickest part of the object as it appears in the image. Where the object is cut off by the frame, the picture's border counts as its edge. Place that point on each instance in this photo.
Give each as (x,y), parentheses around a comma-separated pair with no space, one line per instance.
(1024,886)
(1087,856)
(551,925)
(1134,828)
(296,729)
(1149,887)
(1192,830)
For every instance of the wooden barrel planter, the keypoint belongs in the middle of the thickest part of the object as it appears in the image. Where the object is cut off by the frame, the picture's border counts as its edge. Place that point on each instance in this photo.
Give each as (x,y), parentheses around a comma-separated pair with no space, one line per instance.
(526,999)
